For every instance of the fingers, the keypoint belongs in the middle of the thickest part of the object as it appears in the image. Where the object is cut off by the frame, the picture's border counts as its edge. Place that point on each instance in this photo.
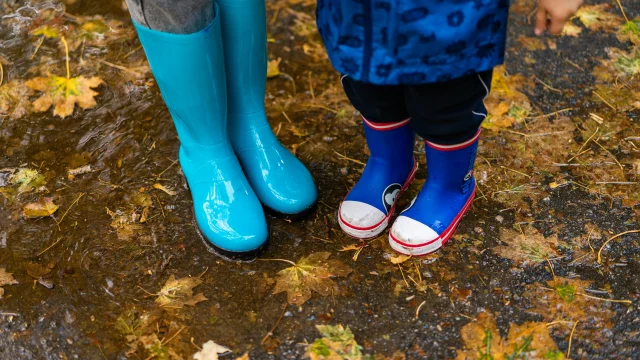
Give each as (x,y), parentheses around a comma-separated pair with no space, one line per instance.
(557,24)
(541,21)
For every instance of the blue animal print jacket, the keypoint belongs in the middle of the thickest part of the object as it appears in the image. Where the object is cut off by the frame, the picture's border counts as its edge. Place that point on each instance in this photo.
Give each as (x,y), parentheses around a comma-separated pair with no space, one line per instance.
(408,42)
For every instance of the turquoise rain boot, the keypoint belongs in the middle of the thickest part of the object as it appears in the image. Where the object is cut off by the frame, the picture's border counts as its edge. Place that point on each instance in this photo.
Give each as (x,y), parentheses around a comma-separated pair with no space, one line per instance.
(279,179)
(189,70)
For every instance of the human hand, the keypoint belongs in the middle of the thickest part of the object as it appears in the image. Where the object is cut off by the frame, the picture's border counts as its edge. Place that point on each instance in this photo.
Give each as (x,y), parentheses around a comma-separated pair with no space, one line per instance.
(553,14)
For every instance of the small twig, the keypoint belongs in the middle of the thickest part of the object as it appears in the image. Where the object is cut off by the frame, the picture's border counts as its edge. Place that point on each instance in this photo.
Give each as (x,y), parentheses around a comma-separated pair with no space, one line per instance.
(173,337)
(610,153)
(119,67)
(313,95)
(549,114)
(418,310)
(622,10)
(548,86)
(402,272)
(1,73)
(8,314)
(167,169)
(515,171)
(132,51)
(616,182)
(270,333)
(37,47)
(605,101)
(66,50)
(350,159)
(551,266)
(571,338)
(281,260)
(148,293)
(583,145)
(286,117)
(52,245)
(66,212)
(605,299)
(612,238)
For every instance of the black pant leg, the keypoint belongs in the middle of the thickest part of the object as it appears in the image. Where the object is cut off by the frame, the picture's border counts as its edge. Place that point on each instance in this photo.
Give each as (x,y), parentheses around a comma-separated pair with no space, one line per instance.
(376,103)
(450,112)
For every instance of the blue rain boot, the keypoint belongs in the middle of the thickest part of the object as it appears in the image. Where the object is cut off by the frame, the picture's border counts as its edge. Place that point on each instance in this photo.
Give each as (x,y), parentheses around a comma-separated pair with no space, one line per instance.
(367,209)
(433,216)
(279,179)
(189,70)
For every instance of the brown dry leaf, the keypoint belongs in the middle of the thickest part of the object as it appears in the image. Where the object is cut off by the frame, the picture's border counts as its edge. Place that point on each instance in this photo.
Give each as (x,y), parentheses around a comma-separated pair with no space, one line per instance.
(528,248)
(96,31)
(530,340)
(561,299)
(63,93)
(311,273)
(531,43)
(211,351)
(399,258)
(44,207)
(36,270)
(176,293)
(570,29)
(165,189)
(14,99)
(6,279)
(337,343)
(273,68)
(596,17)
(506,104)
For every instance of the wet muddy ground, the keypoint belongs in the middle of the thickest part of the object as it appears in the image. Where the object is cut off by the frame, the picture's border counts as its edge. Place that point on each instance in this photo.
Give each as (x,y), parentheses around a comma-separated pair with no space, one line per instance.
(558,176)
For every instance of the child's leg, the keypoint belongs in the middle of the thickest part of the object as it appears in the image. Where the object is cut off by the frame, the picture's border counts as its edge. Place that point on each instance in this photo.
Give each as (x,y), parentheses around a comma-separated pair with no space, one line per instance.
(366,210)
(448,116)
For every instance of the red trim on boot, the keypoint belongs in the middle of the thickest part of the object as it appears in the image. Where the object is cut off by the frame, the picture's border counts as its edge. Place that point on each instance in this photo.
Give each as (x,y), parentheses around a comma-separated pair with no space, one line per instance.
(454,147)
(385,126)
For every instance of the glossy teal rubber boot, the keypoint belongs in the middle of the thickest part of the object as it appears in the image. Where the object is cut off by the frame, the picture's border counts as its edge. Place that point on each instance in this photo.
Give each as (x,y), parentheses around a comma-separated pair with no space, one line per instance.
(280,180)
(189,70)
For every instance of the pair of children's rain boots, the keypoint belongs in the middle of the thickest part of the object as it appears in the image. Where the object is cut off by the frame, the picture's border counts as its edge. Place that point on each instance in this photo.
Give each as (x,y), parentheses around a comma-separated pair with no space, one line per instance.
(213,83)
(432,217)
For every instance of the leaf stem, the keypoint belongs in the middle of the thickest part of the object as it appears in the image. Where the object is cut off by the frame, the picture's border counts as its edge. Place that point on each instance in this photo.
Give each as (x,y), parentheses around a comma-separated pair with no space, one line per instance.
(611,238)
(66,51)
(281,260)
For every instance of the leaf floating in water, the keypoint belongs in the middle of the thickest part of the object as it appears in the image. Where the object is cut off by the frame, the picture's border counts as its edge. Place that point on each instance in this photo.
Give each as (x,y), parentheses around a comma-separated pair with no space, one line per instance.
(14,99)
(482,340)
(42,208)
(311,273)
(176,293)
(273,68)
(64,93)
(165,189)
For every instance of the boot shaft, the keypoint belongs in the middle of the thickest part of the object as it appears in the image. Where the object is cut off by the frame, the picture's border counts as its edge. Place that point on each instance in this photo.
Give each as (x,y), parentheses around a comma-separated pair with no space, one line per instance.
(451,166)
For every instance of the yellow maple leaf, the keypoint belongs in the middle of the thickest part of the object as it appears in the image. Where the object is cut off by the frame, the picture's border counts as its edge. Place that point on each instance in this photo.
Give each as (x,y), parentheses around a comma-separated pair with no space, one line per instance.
(570,29)
(595,17)
(64,93)
(44,207)
(337,343)
(531,340)
(313,273)
(273,68)
(177,293)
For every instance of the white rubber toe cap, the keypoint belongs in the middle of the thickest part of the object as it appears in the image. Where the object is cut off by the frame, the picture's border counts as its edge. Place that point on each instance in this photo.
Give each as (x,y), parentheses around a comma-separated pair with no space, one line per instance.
(411,237)
(361,220)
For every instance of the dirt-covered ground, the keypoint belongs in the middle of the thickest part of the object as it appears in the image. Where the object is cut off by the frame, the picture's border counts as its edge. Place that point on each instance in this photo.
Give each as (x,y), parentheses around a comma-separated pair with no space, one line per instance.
(100,257)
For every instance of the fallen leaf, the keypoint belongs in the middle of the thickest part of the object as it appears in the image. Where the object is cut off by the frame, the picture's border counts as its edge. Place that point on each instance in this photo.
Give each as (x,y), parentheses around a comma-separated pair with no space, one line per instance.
(570,29)
(337,343)
(72,173)
(27,180)
(595,17)
(399,259)
(44,207)
(311,273)
(630,31)
(562,299)
(165,189)
(528,248)
(47,31)
(6,279)
(36,270)
(531,43)
(482,340)
(211,351)
(273,68)
(506,105)
(176,293)
(14,99)
(63,93)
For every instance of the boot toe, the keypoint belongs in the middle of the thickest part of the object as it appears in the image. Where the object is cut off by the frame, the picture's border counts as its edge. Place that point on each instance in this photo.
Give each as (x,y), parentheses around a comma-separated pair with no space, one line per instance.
(411,237)
(361,220)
